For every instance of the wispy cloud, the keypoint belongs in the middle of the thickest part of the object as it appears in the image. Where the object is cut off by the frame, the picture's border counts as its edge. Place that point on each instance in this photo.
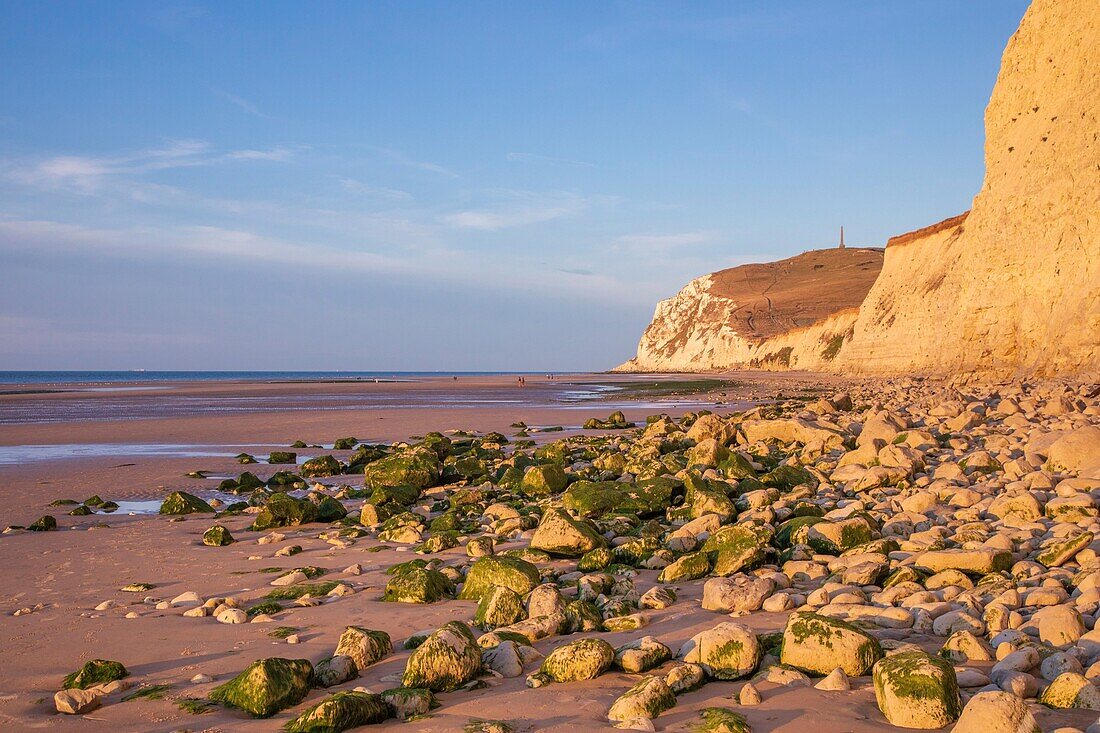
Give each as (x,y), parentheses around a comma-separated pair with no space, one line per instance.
(242,103)
(517,209)
(90,174)
(402,159)
(548,160)
(358,187)
(222,247)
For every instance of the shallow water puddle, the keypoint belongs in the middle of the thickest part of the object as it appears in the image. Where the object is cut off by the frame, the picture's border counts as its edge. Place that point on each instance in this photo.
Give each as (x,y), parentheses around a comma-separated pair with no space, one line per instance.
(11,455)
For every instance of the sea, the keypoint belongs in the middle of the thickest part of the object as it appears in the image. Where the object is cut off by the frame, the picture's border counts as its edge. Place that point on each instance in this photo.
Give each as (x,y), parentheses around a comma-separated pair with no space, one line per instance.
(141,375)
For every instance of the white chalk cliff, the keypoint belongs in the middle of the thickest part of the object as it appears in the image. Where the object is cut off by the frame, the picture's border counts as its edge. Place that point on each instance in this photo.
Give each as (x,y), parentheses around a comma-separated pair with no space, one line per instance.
(1012,289)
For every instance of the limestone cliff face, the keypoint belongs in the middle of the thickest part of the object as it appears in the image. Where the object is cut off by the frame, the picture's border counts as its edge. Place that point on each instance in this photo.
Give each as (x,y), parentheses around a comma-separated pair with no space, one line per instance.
(787,314)
(1015,288)
(1011,289)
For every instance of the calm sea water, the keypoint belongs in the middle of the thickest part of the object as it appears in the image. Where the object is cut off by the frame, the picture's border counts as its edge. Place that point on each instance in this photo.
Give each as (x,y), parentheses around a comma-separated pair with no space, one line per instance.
(115,377)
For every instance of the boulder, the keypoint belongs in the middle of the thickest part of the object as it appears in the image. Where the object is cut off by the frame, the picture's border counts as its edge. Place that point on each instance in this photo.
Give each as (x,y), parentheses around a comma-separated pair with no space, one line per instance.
(560,534)
(916,690)
(817,645)
(180,502)
(583,659)
(341,711)
(448,658)
(996,712)
(647,699)
(729,651)
(267,686)
(513,573)
(363,646)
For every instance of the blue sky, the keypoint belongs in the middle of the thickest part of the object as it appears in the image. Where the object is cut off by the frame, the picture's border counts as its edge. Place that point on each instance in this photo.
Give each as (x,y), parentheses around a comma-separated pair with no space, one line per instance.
(485,185)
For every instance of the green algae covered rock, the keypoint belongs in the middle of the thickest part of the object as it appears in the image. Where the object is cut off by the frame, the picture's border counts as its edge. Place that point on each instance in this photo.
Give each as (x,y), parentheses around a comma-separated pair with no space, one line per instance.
(340,712)
(593,498)
(95,672)
(321,466)
(689,567)
(417,585)
(1071,690)
(721,720)
(917,690)
(409,701)
(417,467)
(45,523)
(786,478)
(818,644)
(647,699)
(737,547)
(499,606)
(1061,552)
(217,536)
(641,655)
(448,658)
(180,502)
(560,534)
(583,659)
(650,497)
(282,456)
(582,616)
(510,572)
(283,510)
(363,646)
(729,651)
(267,686)
(597,559)
(544,479)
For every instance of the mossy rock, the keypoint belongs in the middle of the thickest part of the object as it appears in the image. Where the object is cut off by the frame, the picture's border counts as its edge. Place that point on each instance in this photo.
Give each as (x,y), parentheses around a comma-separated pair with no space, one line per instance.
(321,466)
(650,497)
(729,651)
(398,494)
(513,573)
(737,548)
(692,566)
(340,712)
(417,467)
(1071,690)
(593,498)
(597,559)
(330,509)
(180,502)
(544,479)
(283,510)
(562,535)
(721,720)
(583,659)
(409,702)
(448,658)
(917,690)
(818,644)
(581,617)
(787,477)
(267,686)
(364,646)
(647,699)
(737,467)
(282,456)
(345,443)
(217,536)
(418,585)
(438,542)
(45,523)
(95,672)
(499,606)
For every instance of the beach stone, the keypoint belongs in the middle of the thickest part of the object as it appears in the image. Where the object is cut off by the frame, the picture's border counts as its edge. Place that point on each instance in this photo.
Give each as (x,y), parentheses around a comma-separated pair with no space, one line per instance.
(543,480)
(335,670)
(689,567)
(1059,553)
(916,690)
(45,523)
(685,677)
(979,562)
(1059,626)
(232,616)
(835,681)
(76,701)
(513,573)
(413,584)
(647,699)
(1071,690)
(500,606)
(321,466)
(95,672)
(180,502)
(504,658)
(658,597)
(267,686)
(561,535)
(363,646)
(749,695)
(729,651)
(407,702)
(341,711)
(735,548)
(545,600)
(584,659)
(721,720)
(447,659)
(1077,451)
(996,712)
(817,645)
(641,655)
(217,536)
(737,594)
(418,468)
(283,510)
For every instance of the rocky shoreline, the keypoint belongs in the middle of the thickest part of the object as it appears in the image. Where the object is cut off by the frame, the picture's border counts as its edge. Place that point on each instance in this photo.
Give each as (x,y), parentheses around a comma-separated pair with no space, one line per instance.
(909,554)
